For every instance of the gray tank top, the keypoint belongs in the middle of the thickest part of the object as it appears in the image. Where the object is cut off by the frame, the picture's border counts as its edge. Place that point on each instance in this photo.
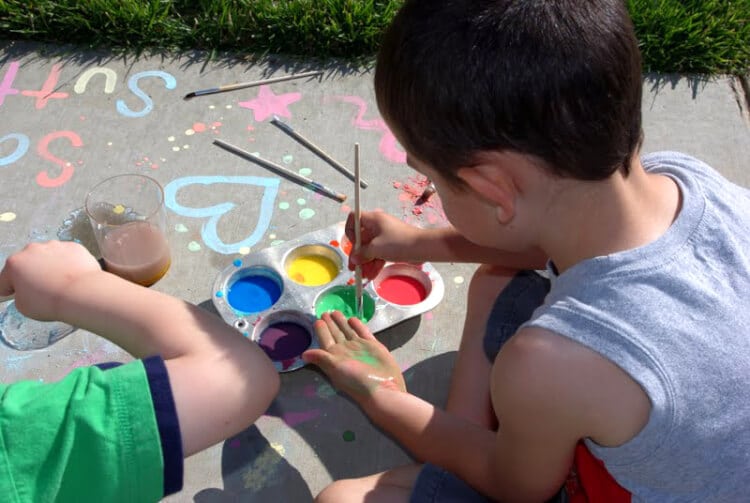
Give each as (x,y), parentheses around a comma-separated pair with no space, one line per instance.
(675,315)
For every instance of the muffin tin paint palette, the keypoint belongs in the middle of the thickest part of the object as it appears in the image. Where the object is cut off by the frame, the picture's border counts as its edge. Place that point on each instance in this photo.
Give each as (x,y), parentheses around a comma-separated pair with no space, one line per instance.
(274,296)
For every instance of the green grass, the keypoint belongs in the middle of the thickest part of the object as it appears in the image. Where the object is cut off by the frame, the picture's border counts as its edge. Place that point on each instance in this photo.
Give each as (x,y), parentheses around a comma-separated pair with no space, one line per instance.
(676,36)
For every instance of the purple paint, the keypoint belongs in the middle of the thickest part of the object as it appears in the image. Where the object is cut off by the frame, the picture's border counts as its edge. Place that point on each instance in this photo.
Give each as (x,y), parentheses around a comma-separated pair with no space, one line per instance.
(284,341)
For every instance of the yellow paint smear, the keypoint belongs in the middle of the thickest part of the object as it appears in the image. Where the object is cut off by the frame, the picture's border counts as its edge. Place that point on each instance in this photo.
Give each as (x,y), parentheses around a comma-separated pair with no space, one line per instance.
(312,270)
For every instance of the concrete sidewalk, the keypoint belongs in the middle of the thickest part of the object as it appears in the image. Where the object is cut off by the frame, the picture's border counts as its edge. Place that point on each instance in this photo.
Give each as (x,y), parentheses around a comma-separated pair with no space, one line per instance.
(71,119)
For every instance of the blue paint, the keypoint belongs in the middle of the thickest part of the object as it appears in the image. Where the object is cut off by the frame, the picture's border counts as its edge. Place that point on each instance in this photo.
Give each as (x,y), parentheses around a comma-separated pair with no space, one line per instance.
(237,262)
(220,294)
(252,294)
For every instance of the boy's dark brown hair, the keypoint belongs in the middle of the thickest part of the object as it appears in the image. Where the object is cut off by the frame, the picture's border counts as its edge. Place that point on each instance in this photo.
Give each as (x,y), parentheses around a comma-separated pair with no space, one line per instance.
(556,79)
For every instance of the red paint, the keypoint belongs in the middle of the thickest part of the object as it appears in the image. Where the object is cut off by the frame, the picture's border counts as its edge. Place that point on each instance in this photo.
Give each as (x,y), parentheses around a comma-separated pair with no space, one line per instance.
(334,243)
(402,290)
(346,245)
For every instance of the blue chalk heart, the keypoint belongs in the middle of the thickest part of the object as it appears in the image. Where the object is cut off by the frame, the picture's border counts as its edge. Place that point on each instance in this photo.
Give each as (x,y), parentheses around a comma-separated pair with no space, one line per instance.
(214,213)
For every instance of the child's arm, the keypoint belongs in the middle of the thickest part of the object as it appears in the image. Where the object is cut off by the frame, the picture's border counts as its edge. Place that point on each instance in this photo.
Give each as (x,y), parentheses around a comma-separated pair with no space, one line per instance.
(547,391)
(221,383)
(386,238)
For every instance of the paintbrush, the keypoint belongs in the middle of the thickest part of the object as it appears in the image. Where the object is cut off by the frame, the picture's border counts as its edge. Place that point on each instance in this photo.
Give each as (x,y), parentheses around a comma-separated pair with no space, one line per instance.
(244,85)
(426,194)
(286,128)
(357,233)
(282,171)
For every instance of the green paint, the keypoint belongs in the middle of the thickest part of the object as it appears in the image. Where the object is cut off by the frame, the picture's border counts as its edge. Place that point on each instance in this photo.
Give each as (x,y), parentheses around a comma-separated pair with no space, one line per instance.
(287,159)
(283,206)
(326,391)
(301,201)
(276,242)
(305,171)
(366,357)
(342,298)
(349,436)
(194,246)
(180,228)
(306,213)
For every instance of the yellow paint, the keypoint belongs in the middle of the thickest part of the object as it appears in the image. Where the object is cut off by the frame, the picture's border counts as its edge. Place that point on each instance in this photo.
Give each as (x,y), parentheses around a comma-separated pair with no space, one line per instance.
(7,217)
(119,209)
(312,270)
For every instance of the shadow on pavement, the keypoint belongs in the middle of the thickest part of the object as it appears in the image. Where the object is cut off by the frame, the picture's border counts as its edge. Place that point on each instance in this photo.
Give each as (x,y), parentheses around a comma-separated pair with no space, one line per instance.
(341,437)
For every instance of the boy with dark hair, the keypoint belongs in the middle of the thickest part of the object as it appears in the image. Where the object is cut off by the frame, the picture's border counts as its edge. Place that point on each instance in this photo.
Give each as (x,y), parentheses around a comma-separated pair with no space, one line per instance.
(120,433)
(526,116)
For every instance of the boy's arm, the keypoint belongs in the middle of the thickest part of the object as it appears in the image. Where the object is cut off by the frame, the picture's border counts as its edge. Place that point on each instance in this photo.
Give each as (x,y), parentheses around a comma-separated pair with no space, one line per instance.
(448,245)
(548,392)
(386,238)
(221,383)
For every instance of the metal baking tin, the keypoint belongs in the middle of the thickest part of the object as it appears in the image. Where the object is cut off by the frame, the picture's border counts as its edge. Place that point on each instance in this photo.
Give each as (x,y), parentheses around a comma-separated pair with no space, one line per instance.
(297,301)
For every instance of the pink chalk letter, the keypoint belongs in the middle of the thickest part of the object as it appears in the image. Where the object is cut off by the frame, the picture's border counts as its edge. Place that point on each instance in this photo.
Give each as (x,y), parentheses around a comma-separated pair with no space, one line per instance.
(6,88)
(47,93)
(42,178)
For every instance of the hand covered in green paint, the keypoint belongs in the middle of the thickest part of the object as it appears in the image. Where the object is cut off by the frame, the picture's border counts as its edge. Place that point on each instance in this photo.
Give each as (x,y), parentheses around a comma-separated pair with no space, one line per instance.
(352,358)
(383,237)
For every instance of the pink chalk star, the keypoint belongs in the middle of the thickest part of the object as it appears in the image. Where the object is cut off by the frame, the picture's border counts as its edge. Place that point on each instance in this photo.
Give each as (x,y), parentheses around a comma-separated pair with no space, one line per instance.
(268,104)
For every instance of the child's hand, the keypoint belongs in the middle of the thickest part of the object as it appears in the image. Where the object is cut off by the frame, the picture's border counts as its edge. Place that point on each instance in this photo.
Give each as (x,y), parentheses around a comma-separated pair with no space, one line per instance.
(40,273)
(383,237)
(352,358)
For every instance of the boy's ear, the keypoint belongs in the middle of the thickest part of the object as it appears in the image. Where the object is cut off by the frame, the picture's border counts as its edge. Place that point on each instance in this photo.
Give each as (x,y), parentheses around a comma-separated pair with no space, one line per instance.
(494,185)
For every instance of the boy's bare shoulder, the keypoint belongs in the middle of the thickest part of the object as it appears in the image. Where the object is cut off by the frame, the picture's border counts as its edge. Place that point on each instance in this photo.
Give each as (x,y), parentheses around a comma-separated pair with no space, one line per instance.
(542,374)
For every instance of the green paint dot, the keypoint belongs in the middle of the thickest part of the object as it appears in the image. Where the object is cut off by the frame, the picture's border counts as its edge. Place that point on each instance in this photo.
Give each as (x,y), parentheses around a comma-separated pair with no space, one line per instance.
(301,201)
(305,171)
(284,206)
(306,213)
(180,228)
(276,242)
(287,159)
(193,246)
(349,436)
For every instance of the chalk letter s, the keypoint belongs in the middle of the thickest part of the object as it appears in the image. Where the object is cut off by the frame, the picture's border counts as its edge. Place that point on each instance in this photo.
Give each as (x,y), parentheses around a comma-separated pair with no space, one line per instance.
(169,81)
(42,178)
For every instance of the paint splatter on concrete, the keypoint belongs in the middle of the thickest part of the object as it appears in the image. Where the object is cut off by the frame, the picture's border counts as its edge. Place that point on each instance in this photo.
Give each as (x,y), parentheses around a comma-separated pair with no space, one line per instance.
(430,210)
(8,216)
(180,228)
(306,213)
(349,436)
(194,246)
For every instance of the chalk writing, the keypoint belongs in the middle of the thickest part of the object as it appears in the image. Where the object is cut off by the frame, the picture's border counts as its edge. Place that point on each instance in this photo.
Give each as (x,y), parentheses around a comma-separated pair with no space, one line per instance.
(169,81)
(388,144)
(47,92)
(43,179)
(22,146)
(109,83)
(209,231)
(6,88)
